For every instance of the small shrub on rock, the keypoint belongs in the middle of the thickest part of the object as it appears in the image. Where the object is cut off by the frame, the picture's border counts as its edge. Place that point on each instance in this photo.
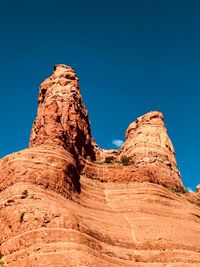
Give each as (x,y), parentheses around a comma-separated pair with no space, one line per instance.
(126,160)
(179,190)
(109,159)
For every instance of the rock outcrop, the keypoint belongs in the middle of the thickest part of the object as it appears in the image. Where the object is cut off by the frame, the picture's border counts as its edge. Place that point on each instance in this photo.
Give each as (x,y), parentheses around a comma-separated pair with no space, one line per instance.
(149,146)
(62,205)
(62,118)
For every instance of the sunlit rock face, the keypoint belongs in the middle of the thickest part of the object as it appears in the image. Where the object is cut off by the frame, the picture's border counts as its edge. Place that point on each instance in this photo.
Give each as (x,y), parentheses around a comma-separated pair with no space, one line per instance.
(149,146)
(62,118)
(66,202)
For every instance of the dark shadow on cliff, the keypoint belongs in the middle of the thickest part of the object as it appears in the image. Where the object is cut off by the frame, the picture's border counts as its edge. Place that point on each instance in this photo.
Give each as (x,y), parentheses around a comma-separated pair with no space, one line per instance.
(73,173)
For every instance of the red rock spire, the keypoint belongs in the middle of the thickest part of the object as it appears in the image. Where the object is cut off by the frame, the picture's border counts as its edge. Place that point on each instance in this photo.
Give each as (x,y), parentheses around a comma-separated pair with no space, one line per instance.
(148,144)
(147,138)
(62,118)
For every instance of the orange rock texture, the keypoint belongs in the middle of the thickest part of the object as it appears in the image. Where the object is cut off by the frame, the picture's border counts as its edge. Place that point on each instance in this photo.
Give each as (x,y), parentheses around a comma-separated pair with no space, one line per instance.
(66,202)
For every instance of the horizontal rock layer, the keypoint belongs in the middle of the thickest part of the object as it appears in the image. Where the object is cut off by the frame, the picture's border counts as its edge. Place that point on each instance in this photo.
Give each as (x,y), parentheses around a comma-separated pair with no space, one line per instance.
(112,224)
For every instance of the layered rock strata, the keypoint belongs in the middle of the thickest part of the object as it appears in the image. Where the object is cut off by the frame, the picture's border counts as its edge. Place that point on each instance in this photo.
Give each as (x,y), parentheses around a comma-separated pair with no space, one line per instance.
(149,147)
(62,205)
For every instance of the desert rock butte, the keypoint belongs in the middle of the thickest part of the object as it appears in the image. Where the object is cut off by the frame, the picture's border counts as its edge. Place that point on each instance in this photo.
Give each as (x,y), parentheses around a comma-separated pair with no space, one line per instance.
(66,202)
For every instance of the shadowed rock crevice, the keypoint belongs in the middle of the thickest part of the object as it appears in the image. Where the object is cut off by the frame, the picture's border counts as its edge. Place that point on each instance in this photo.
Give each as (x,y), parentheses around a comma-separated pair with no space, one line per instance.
(72,172)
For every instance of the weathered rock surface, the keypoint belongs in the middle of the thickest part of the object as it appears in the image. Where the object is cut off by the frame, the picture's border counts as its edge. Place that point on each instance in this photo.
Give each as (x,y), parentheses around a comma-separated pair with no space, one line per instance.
(51,167)
(149,146)
(62,118)
(61,205)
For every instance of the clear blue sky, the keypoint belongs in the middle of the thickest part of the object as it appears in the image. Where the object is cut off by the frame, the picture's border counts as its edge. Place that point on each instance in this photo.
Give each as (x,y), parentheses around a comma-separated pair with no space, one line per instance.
(131,57)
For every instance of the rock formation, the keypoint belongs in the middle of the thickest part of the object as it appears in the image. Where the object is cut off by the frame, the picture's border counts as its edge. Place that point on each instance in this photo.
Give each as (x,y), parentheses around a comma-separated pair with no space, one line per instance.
(149,146)
(62,205)
(62,118)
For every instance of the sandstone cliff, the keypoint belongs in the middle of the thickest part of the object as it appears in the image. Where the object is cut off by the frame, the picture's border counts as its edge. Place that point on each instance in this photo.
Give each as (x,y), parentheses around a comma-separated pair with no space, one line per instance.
(62,205)
(62,118)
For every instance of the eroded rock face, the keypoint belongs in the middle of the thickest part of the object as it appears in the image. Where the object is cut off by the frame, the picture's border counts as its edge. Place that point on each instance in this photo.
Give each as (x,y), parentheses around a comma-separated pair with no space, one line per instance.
(148,144)
(62,118)
(147,140)
(50,167)
(61,205)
